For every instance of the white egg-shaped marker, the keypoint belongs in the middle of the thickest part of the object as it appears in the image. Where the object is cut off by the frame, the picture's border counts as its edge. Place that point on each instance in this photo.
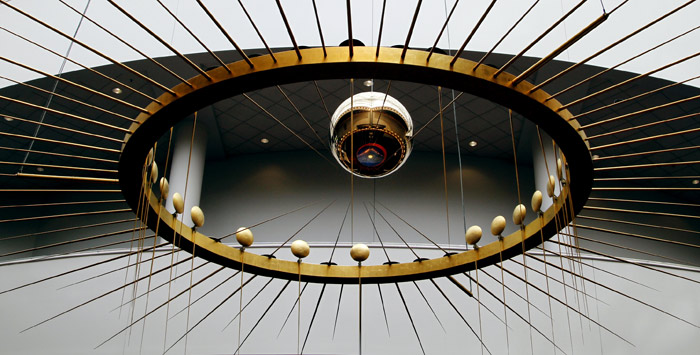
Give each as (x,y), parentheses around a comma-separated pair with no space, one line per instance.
(178,203)
(149,158)
(498,225)
(551,184)
(197,216)
(359,252)
(559,169)
(244,237)
(519,214)
(154,172)
(300,248)
(473,235)
(536,201)
(164,187)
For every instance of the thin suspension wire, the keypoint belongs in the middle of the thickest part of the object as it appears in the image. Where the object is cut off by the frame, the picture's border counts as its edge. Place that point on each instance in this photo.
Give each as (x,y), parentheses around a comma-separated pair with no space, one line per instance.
(644,111)
(196,38)
(92,300)
(645,139)
(515,24)
(374,227)
(410,29)
(320,34)
(308,124)
(414,228)
(99,263)
(628,81)
(126,43)
(638,55)
(294,306)
(644,201)
(264,313)
(289,29)
(268,220)
(62,113)
(287,128)
(639,224)
(629,297)
(444,26)
(79,102)
(313,317)
(570,307)
(119,83)
(255,27)
(162,41)
(247,304)
(61,155)
(300,229)
(545,33)
(225,33)
(415,331)
(53,141)
(437,114)
(350,38)
(473,32)
(545,252)
(635,97)
(444,165)
(114,61)
(563,47)
(41,123)
(110,272)
(184,336)
(340,230)
(162,304)
(381,28)
(614,44)
(460,314)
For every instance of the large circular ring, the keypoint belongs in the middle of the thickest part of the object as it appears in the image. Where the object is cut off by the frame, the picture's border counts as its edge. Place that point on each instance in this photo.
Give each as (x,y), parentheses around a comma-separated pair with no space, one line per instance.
(464,75)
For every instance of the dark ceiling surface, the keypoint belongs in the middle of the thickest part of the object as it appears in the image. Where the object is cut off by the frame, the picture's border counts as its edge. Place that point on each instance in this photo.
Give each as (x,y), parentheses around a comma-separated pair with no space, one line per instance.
(236,125)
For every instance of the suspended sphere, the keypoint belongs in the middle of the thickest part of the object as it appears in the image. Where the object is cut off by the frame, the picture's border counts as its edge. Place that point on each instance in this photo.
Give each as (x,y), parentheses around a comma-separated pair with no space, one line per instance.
(244,237)
(197,216)
(178,203)
(498,225)
(536,201)
(164,187)
(359,252)
(300,248)
(519,214)
(473,235)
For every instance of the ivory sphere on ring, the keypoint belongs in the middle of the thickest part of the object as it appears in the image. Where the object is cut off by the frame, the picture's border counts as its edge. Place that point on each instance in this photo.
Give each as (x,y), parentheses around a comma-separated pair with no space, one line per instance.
(473,235)
(519,214)
(164,187)
(300,248)
(536,202)
(498,225)
(244,236)
(359,252)
(197,216)
(178,203)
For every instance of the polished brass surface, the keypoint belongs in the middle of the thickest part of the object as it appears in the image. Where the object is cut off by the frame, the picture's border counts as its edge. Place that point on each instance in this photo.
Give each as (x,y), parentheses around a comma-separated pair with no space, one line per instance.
(337,64)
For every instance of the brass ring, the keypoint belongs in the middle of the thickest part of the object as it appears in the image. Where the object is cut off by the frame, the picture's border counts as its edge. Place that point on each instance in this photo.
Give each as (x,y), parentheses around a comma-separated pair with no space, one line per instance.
(337,64)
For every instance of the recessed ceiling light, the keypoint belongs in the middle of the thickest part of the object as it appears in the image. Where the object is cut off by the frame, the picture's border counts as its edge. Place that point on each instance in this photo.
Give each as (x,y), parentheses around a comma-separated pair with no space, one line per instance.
(696,181)
(117,91)
(39,169)
(473,143)
(9,119)
(596,156)
(264,141)
(368,83)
